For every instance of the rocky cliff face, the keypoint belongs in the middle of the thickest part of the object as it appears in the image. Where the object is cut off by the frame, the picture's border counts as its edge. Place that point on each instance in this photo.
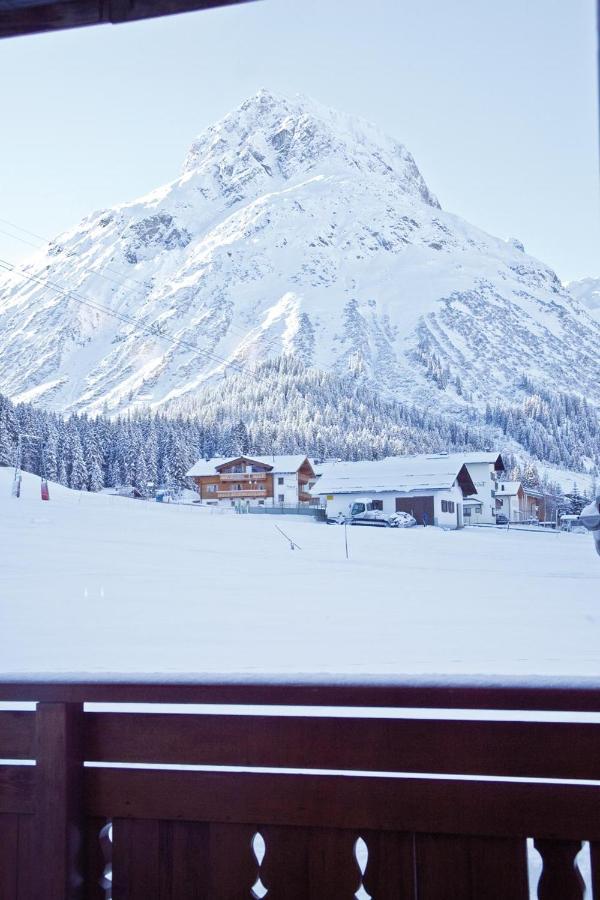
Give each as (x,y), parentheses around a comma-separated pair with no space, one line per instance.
(293,229)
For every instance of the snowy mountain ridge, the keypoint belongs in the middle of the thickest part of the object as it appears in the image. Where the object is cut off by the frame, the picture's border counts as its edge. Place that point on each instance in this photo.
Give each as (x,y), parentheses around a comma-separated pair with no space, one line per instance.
(587,292)
(293,230)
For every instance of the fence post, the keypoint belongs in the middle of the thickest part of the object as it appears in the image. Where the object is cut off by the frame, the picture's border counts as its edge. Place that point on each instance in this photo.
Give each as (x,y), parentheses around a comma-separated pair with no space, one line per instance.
(59,819)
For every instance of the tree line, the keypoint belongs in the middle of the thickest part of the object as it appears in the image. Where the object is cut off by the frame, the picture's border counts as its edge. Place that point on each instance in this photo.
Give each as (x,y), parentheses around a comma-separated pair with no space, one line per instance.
(286,408)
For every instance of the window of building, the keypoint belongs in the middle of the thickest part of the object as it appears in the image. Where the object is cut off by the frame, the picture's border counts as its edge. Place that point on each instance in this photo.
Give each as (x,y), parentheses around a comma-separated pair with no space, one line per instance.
(448,506)
(211,488)
(280,480)
(280,497)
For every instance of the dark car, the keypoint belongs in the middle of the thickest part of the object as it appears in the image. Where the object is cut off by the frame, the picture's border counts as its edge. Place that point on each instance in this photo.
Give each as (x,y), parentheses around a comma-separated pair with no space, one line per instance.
(501,519)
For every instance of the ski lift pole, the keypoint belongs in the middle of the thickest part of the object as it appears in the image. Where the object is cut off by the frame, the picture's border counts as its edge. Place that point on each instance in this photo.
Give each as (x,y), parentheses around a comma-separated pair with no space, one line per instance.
(16,488)
(45,493)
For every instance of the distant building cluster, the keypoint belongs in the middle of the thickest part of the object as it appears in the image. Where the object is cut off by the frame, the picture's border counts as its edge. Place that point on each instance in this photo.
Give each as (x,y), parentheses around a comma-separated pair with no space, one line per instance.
(450,490)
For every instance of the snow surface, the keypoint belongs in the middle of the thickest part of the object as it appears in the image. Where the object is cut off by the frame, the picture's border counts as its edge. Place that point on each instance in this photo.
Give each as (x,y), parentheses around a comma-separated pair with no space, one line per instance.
(100,584)
(567,479)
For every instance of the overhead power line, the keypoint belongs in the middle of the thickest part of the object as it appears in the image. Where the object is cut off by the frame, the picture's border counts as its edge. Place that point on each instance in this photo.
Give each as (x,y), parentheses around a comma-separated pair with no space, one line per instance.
(122,280)
(155,331)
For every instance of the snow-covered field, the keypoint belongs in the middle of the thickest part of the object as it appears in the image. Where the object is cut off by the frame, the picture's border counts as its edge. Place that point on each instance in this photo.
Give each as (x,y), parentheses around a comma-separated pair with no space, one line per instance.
(95,583)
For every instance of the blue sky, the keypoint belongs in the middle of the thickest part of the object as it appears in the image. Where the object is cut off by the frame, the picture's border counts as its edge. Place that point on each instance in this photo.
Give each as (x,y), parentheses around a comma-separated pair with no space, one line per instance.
(496,101)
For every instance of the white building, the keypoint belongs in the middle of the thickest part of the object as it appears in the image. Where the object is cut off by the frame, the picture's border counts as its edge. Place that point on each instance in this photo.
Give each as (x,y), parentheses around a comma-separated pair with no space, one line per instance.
(431,488)
(510,500)
(520,504)
(484,468)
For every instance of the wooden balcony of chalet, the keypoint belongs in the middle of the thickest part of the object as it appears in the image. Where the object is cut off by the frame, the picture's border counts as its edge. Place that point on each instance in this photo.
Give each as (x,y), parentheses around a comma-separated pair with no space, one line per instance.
(240,495)
(272,800)
(243,476)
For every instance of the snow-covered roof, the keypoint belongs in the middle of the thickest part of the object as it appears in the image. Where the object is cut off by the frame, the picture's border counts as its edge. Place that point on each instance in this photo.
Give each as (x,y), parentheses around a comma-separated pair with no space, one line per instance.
(508,488)
(394,473)
(479,456)
(289,463)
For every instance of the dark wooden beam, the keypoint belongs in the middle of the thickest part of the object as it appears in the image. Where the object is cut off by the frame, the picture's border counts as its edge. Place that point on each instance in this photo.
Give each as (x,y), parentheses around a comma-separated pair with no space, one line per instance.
(59,817)
(453,692)
(510,749)
(427,805)
(25,18)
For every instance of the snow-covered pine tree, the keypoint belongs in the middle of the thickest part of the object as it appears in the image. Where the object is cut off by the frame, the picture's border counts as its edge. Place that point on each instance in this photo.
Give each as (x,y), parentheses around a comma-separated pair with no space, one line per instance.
(7,446)
(78,476)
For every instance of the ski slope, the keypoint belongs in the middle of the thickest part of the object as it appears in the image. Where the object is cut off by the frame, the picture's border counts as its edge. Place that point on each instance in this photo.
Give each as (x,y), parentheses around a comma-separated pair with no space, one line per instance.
(101,584)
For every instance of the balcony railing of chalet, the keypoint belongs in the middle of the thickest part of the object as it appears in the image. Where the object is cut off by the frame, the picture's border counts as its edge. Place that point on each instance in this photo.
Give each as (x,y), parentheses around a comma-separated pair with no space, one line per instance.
(382,803)
(239,495)
(243,476)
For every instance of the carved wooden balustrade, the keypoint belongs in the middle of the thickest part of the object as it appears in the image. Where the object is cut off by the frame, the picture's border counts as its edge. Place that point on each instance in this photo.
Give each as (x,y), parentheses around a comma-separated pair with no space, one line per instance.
(371,801)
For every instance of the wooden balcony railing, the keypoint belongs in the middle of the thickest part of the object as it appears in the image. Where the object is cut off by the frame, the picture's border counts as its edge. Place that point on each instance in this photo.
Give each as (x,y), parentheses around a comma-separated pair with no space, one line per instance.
(243,476)
(240,495)
(134,805)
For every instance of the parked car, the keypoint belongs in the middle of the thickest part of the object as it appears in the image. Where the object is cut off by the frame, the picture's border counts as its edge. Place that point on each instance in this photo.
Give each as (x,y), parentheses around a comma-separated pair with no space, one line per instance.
(373,517)
(501,519)
(402,520)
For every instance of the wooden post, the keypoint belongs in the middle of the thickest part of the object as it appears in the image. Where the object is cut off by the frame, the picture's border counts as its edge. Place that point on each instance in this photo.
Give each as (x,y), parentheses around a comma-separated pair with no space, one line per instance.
(59,819)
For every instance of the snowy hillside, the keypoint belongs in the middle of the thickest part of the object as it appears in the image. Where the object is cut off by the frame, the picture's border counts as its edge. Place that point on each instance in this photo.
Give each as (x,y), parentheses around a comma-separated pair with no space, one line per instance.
(587,292)
(293,229)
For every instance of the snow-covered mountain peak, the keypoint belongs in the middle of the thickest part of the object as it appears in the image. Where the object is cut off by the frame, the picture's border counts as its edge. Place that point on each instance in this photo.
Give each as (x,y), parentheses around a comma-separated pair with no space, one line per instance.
(270,139)
(299,231)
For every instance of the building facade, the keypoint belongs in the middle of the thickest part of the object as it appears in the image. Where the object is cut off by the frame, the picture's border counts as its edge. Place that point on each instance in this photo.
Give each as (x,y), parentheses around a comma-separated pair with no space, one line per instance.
(520,504)
(484,468)
(255,481)
(431,488)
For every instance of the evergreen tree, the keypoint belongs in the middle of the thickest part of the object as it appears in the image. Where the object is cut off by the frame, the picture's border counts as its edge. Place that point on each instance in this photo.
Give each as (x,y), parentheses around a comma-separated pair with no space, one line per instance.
(95,476)
(7,447)
(78,476)
(51,451)
(140,476)
(240,443)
